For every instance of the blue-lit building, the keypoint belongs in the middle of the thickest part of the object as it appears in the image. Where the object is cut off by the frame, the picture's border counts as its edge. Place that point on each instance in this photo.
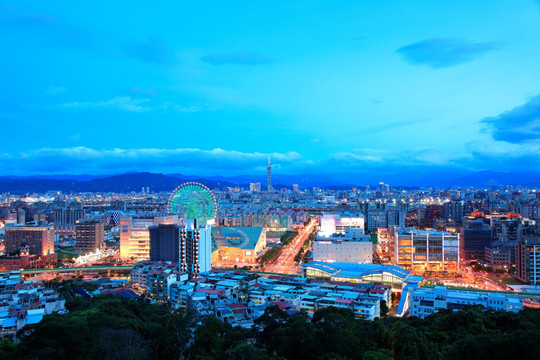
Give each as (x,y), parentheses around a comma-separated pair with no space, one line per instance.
(394,276)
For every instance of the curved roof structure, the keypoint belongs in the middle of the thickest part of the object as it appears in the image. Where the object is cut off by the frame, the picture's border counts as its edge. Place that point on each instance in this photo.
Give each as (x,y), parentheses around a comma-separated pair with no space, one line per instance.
(345,268)
(391,275)
(238,237)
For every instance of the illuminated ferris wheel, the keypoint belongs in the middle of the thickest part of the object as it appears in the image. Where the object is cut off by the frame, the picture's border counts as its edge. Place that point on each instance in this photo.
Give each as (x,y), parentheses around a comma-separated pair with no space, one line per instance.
(192,200)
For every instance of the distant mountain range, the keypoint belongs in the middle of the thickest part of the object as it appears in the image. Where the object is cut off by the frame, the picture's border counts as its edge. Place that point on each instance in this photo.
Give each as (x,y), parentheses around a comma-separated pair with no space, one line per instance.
(116,183)
(160,182)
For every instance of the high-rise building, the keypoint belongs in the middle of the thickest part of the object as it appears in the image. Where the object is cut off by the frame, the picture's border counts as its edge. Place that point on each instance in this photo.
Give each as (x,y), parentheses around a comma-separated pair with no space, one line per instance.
(295,188)
(425,250)
(453,211)
(269,177)
(135,236)
(39,239)
(195,248)
(255,187)
(114,217)
(65,219)
(21,216)
(475,237)
(500,255)
(89,236)
(385,218)
(528,260)
(395,218)
(164,242)
(67,216)
(530,211)
(376,219)
(432,213)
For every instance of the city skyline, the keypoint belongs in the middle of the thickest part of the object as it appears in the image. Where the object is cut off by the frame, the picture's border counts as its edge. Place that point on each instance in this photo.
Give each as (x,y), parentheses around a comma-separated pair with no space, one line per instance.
(270,180)
(318,87)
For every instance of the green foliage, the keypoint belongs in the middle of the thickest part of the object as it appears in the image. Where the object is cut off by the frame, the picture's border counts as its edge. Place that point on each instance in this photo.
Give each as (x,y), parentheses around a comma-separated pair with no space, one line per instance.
(311,237)
(66,290)
(287,237)
(336,334)
(299,255)
(384,308)
(108,328)
(270,255)
(114,328)
(381,354)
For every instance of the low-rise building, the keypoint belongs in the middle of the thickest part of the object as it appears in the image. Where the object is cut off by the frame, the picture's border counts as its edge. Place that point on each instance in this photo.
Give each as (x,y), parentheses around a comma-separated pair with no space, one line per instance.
(426,301)
(24,303)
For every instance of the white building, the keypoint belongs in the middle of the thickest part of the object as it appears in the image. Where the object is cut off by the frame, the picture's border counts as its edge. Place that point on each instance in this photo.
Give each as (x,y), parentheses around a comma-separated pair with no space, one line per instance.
(195,248)
(335,223)
(426,301)
(349,247)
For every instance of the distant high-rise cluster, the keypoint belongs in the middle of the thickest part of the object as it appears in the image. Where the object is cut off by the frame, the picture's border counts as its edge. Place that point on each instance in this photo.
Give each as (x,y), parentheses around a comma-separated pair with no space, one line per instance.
(255,187)
(269,177)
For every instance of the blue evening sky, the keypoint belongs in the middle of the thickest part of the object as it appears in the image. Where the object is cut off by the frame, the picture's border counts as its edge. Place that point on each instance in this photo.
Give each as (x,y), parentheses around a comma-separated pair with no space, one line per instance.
(215,87)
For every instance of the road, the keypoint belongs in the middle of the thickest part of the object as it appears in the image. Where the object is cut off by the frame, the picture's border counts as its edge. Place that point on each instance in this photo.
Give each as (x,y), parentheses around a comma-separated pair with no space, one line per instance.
(285,264)
(73,269)
(480,279)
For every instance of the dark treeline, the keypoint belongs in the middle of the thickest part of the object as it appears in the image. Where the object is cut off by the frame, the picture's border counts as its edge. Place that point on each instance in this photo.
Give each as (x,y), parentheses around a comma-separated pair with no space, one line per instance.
(107,327)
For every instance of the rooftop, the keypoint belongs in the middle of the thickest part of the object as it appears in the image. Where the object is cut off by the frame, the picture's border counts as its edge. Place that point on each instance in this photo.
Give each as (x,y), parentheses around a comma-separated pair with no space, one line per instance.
(354,269)
(239,237)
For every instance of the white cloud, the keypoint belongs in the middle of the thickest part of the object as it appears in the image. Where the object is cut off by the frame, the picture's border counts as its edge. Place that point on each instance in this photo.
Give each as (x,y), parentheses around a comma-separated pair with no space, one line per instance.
(126,103)
(501,156)
(426,156)
(55,90)
(88,160)
(191,108)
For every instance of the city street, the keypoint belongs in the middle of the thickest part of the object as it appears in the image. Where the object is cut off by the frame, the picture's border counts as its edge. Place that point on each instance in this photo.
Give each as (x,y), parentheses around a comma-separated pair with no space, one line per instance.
(285,264)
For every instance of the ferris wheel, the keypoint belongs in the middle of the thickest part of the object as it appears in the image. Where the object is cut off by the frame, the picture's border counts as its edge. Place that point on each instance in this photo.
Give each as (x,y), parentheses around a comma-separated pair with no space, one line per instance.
(193,200)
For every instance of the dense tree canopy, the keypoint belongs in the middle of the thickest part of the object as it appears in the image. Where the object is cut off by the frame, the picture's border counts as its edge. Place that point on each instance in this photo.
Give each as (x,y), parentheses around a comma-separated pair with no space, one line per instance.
(108,327)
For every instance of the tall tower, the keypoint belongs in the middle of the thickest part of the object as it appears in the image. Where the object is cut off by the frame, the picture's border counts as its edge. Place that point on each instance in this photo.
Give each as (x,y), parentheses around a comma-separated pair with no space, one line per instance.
(195,248)
(269,176)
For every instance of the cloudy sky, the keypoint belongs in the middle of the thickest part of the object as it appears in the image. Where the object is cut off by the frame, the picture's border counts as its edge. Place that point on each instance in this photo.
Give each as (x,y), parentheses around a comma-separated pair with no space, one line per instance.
(206,87)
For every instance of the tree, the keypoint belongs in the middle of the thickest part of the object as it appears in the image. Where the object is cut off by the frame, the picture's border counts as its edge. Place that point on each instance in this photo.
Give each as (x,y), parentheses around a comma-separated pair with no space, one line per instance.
(384,308)
(294,340)
(208,339)
(272,319)
(121,344)
(244,352)
(381,354)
